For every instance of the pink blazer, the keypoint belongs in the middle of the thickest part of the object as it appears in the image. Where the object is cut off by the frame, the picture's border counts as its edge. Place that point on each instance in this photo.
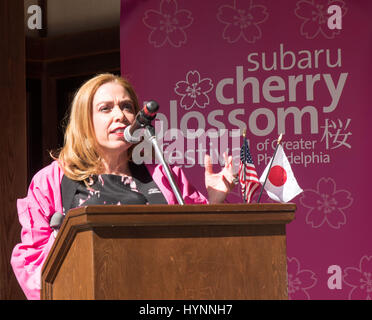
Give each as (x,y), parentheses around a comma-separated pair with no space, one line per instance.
(44,199)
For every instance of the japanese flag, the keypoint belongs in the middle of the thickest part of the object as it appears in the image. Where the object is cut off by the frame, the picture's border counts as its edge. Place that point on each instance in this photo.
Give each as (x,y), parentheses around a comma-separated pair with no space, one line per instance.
(281,185)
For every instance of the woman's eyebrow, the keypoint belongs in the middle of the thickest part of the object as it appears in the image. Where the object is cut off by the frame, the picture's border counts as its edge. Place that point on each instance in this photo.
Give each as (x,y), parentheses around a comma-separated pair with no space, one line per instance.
(105,102)
(112,101)
(126,100)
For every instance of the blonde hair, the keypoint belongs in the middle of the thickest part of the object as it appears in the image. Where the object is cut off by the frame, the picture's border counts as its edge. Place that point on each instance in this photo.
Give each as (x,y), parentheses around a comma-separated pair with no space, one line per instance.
(79,156)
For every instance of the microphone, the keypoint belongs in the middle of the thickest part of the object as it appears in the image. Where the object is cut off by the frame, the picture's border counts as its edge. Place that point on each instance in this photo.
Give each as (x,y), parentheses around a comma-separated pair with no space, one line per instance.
(132,134)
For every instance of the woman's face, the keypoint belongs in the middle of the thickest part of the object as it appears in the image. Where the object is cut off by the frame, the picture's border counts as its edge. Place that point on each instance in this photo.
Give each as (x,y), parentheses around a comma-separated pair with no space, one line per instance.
(113,111)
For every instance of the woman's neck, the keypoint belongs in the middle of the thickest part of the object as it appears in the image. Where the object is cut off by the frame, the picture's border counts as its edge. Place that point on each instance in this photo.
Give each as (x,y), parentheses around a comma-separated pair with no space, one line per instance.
(116,165)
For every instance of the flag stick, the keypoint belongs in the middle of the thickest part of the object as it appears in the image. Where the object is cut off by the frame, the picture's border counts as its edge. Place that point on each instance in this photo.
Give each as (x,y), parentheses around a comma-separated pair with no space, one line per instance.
(244,163)
(271,163)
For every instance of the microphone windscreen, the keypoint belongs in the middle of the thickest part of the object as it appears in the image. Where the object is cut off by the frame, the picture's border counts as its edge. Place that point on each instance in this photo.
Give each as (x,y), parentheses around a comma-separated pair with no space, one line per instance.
(56,220)
(151,108)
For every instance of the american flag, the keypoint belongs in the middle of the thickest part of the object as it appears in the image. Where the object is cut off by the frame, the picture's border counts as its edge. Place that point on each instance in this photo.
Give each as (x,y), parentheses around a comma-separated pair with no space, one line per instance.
(247,173)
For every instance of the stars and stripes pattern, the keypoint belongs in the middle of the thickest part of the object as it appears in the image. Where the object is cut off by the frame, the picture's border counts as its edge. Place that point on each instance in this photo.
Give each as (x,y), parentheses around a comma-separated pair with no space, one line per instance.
(247,173)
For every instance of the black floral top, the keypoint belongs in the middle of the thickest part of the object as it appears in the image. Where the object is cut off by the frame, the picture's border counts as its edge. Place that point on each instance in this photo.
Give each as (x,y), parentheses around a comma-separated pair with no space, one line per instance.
(116,189)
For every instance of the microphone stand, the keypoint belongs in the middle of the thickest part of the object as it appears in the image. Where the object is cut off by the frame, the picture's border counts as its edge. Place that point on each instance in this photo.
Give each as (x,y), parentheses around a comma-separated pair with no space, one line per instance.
(150,135)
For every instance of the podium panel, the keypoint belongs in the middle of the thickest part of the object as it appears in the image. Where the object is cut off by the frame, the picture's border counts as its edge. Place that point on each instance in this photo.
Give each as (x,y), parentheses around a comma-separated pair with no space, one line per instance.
(170,252)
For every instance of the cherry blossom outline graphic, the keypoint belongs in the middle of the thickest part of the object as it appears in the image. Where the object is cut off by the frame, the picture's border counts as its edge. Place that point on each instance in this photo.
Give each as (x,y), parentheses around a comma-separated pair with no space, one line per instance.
(360,279)
(167,24)
(326,204)
(194,90)
(315,16)
(299,281)
(242,22)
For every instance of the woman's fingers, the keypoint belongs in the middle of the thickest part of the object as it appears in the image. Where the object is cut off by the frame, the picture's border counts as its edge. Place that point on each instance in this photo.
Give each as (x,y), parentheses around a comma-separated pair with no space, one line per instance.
(208,164)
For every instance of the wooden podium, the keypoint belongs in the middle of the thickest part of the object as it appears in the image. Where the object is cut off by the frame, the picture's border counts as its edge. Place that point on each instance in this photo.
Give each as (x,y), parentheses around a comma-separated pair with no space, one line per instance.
(170,252)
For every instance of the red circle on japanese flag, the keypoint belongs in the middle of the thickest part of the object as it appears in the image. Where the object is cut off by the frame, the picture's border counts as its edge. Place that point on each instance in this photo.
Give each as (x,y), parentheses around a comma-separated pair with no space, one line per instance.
(278,176)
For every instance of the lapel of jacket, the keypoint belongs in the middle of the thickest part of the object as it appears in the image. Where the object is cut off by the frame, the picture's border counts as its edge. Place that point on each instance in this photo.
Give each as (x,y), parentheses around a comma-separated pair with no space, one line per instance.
(68,190)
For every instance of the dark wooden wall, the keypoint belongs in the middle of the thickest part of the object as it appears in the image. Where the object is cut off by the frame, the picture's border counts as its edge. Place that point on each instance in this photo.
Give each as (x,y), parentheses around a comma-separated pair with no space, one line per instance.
(55,69)
(38,77)
(13,145)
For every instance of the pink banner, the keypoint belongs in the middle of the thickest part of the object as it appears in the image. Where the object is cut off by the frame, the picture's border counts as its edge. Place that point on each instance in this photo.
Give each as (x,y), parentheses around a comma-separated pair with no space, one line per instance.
(297,67)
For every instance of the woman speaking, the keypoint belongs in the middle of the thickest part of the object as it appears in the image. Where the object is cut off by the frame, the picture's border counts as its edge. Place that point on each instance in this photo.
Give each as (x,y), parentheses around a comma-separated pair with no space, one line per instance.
(93,167)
